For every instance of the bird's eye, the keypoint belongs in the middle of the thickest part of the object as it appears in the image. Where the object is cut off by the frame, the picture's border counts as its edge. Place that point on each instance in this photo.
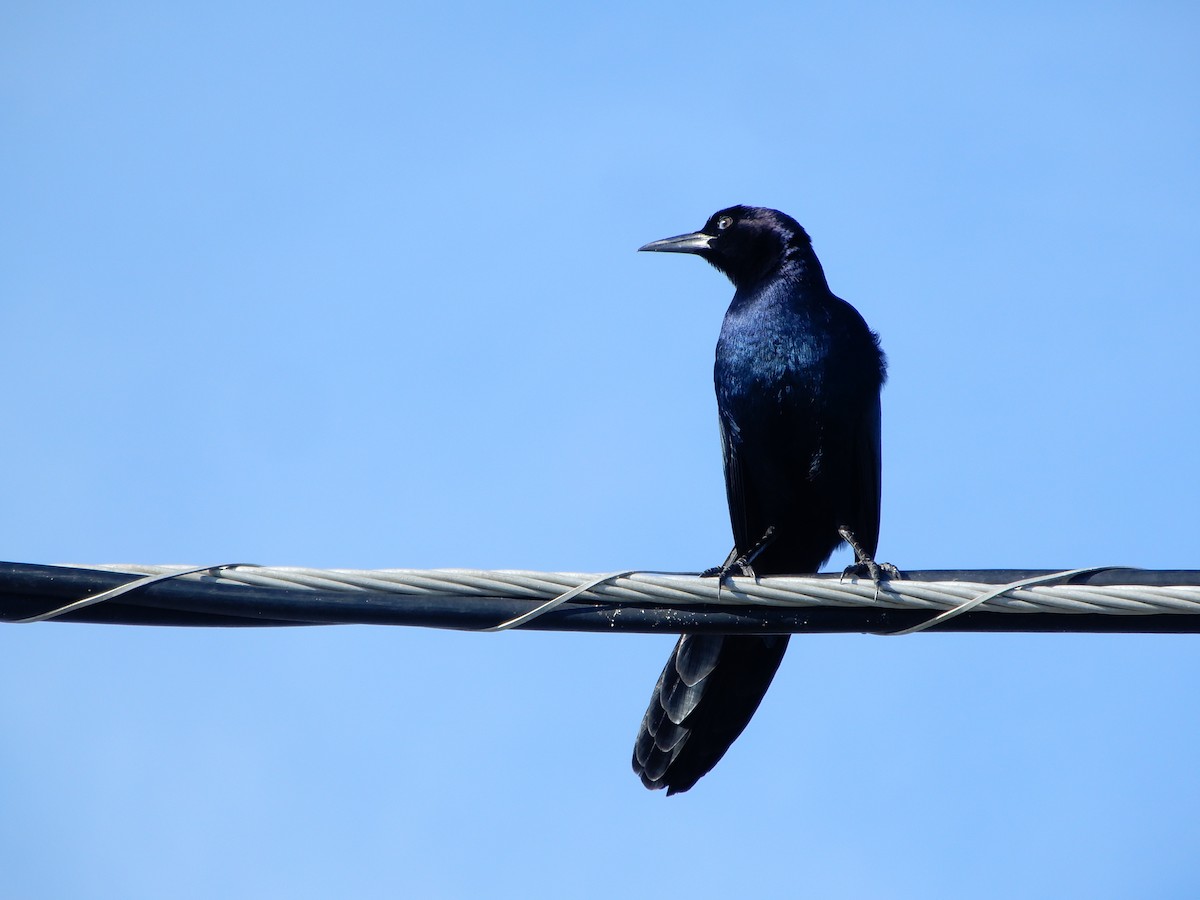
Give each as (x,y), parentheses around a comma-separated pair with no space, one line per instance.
(724,222)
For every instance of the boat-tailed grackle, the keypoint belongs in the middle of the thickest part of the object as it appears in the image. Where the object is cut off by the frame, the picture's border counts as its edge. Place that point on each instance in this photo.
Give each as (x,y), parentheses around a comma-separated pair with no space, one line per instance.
(798,375)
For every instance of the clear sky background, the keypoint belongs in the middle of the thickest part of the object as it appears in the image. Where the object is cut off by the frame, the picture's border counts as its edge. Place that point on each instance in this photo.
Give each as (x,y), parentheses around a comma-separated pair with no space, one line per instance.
(354,285)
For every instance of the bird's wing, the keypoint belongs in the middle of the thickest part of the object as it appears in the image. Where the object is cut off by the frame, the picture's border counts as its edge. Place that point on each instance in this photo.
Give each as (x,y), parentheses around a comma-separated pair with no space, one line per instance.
(864,511)
(735,484)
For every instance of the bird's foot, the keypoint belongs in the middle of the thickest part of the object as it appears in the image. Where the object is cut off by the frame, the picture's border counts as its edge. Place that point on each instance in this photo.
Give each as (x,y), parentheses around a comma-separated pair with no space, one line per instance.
(738,567)
(741,565)
(865,564)
(733,565)
(877,572)
(868,568)
(724,568)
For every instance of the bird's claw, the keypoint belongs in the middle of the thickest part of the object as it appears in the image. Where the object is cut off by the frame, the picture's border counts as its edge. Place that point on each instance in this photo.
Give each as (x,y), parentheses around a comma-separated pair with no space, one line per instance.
(876,571)
(868,568)
(738,567)
(741,565)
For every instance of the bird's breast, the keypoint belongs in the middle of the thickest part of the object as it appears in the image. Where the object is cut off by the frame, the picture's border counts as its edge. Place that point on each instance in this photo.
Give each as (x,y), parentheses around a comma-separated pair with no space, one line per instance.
(771,356)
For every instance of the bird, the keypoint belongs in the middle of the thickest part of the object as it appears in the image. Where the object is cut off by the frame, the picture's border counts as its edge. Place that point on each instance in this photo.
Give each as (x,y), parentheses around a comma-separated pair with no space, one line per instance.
(798,375)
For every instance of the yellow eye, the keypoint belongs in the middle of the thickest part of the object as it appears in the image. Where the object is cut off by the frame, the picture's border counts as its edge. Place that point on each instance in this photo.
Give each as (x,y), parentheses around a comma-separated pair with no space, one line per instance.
(724,222)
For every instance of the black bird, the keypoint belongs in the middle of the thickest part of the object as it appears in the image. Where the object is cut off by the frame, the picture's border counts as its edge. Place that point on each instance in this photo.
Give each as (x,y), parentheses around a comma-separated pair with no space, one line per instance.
(798,375)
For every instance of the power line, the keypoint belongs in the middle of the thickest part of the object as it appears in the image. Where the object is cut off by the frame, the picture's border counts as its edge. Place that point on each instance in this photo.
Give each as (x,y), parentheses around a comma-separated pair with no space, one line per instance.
(1095,600)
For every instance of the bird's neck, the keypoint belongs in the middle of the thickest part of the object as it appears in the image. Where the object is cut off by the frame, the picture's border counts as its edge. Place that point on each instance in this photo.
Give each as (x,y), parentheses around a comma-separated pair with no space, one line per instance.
(801,266)
(797,265)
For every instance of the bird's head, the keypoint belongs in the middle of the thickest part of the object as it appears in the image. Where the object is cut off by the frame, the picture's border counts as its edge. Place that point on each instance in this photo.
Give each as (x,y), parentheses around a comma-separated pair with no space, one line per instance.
(747,243)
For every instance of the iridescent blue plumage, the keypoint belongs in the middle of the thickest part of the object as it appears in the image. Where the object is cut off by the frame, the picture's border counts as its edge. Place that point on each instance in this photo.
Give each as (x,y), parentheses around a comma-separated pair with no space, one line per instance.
(797,375)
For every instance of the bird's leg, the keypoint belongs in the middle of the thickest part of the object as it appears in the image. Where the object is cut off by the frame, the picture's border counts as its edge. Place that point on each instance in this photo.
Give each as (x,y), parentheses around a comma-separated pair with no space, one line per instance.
(863,561)
(741,564)
(763,543)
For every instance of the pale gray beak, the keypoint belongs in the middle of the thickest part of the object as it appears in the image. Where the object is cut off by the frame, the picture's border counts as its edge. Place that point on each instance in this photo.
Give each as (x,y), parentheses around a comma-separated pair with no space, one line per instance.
(696,242)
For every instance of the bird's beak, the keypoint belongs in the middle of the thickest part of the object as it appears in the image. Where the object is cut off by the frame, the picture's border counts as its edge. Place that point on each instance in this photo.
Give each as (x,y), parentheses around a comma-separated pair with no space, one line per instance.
(696,242)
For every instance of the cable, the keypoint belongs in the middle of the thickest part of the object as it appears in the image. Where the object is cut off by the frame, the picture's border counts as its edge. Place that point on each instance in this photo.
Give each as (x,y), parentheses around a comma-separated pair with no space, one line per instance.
(1097,600)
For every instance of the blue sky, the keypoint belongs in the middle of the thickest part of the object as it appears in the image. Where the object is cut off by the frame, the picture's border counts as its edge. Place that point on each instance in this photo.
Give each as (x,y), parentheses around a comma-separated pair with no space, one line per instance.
(355,285)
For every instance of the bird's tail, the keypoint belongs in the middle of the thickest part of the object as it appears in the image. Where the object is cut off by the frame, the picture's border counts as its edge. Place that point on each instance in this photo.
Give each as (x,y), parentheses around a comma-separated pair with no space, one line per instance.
(707,693)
